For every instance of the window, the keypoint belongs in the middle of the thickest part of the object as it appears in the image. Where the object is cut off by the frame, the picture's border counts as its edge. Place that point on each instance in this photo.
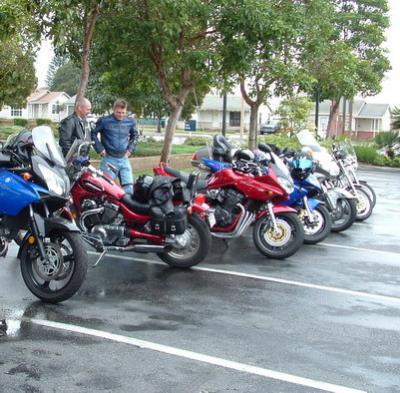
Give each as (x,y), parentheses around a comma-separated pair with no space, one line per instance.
(234,119)
(55,108)
(16,112)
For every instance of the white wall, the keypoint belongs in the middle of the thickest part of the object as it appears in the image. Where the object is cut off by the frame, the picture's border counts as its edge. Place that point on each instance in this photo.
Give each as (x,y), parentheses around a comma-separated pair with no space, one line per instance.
(5,113)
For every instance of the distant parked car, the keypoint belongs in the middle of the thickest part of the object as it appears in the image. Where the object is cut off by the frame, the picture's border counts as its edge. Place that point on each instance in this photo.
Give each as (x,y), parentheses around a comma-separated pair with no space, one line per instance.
(269,127)
(91,119)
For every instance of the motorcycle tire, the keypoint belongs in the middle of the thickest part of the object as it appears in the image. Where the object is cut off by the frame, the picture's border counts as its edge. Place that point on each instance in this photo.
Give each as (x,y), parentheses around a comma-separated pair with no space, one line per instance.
(364,205)
(199,245)
(62,277)
(278,245)
(348,215)
(323,229)
(371,193)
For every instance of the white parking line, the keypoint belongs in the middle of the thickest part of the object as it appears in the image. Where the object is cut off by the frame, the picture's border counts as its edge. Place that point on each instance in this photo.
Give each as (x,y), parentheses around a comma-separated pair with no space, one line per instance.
(263,372)
(357,248)
(366,295)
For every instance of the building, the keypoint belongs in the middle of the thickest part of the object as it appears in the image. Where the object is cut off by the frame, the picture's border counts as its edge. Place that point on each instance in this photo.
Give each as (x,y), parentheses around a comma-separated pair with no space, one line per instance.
(209,115)
(41,104)
(363,119)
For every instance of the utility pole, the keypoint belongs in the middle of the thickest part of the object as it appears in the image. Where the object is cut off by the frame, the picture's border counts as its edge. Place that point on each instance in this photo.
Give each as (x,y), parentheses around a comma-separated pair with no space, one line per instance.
(224,114)
(317,99)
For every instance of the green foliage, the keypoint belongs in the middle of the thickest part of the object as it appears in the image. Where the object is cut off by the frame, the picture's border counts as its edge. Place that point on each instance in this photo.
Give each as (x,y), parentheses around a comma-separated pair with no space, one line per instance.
(21,122)
(396,119)
(294,112)
(17,75)
(42,122)
(7,130)
(387,139)
(281,140)
(366,154)
(66,78)
(196,141)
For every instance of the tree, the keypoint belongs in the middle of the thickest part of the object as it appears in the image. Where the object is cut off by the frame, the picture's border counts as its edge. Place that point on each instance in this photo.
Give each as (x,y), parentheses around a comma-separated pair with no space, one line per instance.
(359,27)
(71,26)
(56,62)
(66,78)
(294,112)
(396,119)
(176,43)
(261,47)
(17,75)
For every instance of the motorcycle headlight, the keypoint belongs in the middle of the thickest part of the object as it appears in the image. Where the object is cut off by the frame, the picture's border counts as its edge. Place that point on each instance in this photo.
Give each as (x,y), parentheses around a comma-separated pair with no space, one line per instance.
(286,184)
(54,182)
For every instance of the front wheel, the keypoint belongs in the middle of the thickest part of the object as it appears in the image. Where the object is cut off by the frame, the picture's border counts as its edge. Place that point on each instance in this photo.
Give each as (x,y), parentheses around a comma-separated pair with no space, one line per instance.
(62,273)
(191,247)
(364,204)
(370,191)
(319,228)
(280,242)
(344,215)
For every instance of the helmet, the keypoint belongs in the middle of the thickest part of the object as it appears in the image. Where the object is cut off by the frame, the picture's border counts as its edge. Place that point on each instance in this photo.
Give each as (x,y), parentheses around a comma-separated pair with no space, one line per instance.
(244,155)
(302,167)
(142,188)
(21,143)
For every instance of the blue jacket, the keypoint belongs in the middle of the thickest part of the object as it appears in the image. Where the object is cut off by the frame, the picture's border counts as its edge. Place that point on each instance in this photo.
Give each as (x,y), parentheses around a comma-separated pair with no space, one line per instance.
(116,136)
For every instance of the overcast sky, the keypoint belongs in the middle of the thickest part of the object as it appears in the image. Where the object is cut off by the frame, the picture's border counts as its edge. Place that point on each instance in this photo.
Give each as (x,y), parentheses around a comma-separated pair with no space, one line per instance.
(390,86)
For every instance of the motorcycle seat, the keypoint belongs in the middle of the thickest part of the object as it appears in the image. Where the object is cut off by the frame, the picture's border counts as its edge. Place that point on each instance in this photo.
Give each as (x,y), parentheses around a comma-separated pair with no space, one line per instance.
(136,206)
(201,184)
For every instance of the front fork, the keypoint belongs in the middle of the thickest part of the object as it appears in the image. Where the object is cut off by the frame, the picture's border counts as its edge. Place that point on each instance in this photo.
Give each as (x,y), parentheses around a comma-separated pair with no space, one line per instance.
(272,215)
(307,207)
(36,224)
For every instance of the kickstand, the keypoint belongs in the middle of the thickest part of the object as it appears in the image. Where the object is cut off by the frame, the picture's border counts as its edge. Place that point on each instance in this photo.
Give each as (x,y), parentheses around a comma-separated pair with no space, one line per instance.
(100,258)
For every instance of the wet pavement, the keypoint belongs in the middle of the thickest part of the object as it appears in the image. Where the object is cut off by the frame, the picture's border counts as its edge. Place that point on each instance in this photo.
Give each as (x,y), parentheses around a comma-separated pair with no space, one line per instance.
(326,319)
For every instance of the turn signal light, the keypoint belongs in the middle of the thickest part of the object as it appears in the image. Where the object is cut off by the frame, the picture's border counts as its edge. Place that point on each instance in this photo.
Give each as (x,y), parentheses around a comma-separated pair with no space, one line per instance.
(26,176)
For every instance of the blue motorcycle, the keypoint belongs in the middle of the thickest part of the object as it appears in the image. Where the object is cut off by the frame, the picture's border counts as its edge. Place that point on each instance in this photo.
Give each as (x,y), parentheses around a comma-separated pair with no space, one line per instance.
(313,214)
(34,192)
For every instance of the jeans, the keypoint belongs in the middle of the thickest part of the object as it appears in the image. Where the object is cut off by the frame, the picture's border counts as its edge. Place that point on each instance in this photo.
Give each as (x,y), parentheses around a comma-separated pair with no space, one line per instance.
(123,170)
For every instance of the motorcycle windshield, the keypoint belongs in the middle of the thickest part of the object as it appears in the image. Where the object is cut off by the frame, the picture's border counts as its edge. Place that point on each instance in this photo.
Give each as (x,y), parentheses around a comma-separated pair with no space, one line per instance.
(46,145)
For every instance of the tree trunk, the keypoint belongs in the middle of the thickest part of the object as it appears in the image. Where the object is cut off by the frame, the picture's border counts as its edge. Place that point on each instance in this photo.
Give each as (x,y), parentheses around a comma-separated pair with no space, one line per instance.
(90,22)
(253,129)
(333,119)
(159,124)
(169,132)
(254,106)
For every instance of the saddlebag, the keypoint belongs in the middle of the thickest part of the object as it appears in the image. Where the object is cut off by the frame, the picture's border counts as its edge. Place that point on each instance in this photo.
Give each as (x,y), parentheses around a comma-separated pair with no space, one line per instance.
(173,223)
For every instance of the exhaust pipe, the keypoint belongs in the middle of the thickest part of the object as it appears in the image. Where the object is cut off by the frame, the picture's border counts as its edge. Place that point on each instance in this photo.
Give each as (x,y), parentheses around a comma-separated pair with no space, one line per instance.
(139,248)
(244,222)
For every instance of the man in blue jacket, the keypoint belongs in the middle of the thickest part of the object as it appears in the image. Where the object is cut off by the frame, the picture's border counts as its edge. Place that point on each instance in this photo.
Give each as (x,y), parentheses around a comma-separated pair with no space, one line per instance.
(118,139)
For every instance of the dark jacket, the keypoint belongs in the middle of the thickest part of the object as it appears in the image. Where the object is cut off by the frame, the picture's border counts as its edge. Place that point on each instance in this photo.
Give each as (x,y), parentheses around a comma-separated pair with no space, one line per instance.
(71,128)
(116,136)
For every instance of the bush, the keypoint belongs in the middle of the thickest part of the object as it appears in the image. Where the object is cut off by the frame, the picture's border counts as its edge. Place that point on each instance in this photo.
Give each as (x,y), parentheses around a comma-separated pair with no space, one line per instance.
(41,122)
(366,154)
(383,139)
(21,122)
(196,141)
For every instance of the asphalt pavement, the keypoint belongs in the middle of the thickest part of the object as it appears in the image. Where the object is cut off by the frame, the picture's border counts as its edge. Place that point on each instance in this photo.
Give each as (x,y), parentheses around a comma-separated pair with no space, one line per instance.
(327,319)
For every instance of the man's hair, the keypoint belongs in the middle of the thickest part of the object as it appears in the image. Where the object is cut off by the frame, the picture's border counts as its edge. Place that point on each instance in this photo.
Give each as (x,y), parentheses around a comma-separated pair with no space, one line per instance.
(82,102)
(120,104)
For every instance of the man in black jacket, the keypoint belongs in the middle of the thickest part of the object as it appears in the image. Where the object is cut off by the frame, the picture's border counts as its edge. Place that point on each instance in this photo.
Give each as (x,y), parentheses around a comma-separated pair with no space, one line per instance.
(75,126)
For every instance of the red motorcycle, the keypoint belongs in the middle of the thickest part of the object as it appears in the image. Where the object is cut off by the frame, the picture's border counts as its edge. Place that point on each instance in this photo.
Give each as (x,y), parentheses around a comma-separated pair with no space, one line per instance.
(241,196)
(153,220)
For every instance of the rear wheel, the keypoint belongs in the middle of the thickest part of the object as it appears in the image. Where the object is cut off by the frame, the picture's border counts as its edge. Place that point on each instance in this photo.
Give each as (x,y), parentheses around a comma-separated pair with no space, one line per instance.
(191,247)
(62,273)
(344,215)
(281,242)
(319,228)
